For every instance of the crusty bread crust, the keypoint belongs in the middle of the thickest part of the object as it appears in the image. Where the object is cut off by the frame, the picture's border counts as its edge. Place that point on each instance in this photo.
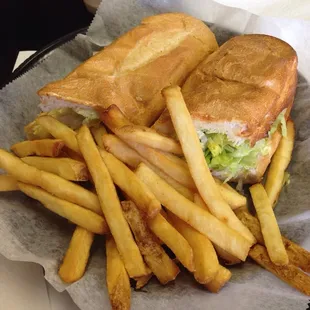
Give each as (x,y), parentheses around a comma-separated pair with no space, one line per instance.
(247,82)
(132,71)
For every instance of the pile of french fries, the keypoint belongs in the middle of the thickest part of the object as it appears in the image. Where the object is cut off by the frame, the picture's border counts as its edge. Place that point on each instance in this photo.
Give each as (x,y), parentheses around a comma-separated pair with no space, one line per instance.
(148,191)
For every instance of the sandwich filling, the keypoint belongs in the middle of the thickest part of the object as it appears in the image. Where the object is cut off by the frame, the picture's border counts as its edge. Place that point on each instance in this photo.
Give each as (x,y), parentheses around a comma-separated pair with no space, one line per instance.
(230,158)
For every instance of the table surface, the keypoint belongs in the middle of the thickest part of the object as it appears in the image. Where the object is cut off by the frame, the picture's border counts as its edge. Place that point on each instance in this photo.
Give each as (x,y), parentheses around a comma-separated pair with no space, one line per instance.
(22,284)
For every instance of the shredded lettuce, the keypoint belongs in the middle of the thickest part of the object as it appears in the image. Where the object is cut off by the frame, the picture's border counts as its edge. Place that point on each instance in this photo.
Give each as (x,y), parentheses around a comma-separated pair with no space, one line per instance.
(223,155)
(279,120)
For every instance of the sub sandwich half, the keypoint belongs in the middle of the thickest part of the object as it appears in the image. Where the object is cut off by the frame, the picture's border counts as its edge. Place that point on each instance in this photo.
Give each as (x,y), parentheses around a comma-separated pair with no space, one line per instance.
(132,71)
(240,98)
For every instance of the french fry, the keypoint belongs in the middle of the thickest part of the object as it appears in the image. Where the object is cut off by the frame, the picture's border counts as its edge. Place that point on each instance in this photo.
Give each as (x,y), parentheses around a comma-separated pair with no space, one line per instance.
(197,164)
(230,195)
(74,213)
(149,137)
(227,257)
(98,133)
(287,273)
(138,192)
(44,147)
(174,240)
(269,225)
(50,182)
(159,262)
(132,158)
(221,278)
(279,163)
(122,151)
(142,281)
(220,234)
(66,168)
(76,258)
(117,278)
(115,119)
(297,255)
(59,131)
(205,258)
(8,183)
(110,205)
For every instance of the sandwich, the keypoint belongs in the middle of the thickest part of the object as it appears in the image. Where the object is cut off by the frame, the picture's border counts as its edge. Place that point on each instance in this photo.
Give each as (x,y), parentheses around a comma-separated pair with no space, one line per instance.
(132,71)
(239,98)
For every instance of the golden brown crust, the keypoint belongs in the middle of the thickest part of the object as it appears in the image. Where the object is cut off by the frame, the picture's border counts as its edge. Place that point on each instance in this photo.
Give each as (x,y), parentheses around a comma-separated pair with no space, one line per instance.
(249,80)
(132,71)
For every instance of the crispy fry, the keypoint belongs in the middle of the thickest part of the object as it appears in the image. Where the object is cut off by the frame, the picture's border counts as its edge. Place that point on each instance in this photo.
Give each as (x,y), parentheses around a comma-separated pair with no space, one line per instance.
(138,192)
(8,183)
(227,257)
(114,119)
(297,255)
(110,205)
(50,182)
(74,213)
(44,147)
(198,167)
(269,225)
(122,151)
(66,168)
(76,258)
(142,281)
(149,137)
(159,262)
(174,240)
(287,273)
(117,279)
(59,131)
(201,220)
(205,259)
(221,278)
(230,195)
(279,163)
(98,133)
(132,158)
